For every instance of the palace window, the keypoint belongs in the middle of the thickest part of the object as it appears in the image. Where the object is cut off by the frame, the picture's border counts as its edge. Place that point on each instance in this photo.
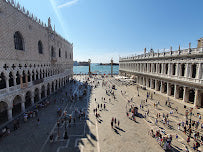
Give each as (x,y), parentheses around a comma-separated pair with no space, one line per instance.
(40,47)
(53,52)
(18,41)
(2,81)
(59,52)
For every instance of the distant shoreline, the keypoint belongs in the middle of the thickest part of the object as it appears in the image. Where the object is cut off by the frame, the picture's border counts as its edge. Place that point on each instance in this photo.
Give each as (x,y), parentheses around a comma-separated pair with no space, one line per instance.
(107,64)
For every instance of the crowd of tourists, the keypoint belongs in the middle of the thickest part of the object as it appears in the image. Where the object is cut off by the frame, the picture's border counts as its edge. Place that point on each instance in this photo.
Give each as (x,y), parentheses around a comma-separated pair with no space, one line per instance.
(32,113)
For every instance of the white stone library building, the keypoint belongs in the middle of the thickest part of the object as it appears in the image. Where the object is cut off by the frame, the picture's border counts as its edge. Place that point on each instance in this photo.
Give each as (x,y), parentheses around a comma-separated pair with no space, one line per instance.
(35,61)
(175,73)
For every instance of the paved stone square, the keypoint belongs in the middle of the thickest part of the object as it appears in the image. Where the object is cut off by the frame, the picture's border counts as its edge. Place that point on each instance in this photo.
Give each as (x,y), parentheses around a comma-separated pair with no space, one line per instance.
(93,134)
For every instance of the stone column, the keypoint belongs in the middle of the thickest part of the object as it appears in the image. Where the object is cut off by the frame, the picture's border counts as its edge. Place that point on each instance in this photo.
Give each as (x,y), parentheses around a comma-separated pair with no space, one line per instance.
(9,113)
(186,70)
(169,69)
(147,67)
(156,85)
(176,94)
(32,100)
(21,81)
(151,84)
(190,71)
(186,94)
(39,95)
(199,71)
(152,67)
(168,89)
(45,92)
(197,101)
(26,80)
(157,68)
(147,82)
(177,69)
(14,79)
(162,68)
(23,106)
(7,84)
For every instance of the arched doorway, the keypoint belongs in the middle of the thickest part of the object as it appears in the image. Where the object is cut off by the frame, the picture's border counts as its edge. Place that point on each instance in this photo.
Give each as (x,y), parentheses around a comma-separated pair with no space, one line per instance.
(11,80)
(28,76)
(52,87)
(16,105)
(28,100)
(192,95)
(36,95)
(2,81)
(181,92)
(48,89)
(149,83)
(153,81)
(37,75)
(17,78)
(182,69)
(172,90)
(166,70)
(165,87)
(56,85)
(201,99)
(24,77)
(160,68)
(59,83)
(43,92)
(3,112)
(33,75)
(159,85)
(194,70)
(174,69)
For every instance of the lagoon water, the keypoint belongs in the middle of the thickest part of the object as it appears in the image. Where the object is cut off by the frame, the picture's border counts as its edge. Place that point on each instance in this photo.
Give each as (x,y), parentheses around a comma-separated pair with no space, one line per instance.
(95,68)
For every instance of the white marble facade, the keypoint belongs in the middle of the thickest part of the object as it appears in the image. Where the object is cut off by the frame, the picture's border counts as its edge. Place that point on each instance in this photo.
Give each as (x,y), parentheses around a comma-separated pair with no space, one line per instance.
(175,73)
(35,61)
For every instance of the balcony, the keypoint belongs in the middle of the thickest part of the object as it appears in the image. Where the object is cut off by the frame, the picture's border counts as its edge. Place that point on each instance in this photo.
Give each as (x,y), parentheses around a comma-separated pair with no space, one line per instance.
(53,60)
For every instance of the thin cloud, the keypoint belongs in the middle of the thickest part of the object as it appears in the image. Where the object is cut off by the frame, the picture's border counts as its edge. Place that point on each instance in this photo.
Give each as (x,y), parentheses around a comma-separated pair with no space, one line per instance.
(59,16)
(68,4)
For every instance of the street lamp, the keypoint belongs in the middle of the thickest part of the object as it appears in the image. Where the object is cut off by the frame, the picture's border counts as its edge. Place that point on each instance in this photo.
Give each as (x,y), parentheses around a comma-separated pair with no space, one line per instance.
(89,61)
(66,133)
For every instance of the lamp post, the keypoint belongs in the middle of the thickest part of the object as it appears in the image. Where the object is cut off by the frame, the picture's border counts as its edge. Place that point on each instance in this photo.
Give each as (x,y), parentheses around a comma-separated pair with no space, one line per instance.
(66,133)
(58,125)
(89,61)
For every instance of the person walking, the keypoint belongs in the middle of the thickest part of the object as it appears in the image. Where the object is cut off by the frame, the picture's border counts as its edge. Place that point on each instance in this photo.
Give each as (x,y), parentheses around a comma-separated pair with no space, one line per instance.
(38,122)
(188,140)
(118,123)
(51,138)
(111,124)
(156,121)
(148,112)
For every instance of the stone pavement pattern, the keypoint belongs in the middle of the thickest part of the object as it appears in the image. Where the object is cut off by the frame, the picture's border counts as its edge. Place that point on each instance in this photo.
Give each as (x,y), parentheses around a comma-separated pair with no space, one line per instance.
(90,133)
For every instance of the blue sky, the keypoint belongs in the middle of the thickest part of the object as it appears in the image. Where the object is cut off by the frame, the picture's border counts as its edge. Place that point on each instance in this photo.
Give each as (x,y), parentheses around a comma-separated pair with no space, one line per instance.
(105,29)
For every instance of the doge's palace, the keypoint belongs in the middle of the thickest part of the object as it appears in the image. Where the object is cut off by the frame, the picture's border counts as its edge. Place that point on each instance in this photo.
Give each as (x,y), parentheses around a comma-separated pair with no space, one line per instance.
(174,73)
(35,61)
